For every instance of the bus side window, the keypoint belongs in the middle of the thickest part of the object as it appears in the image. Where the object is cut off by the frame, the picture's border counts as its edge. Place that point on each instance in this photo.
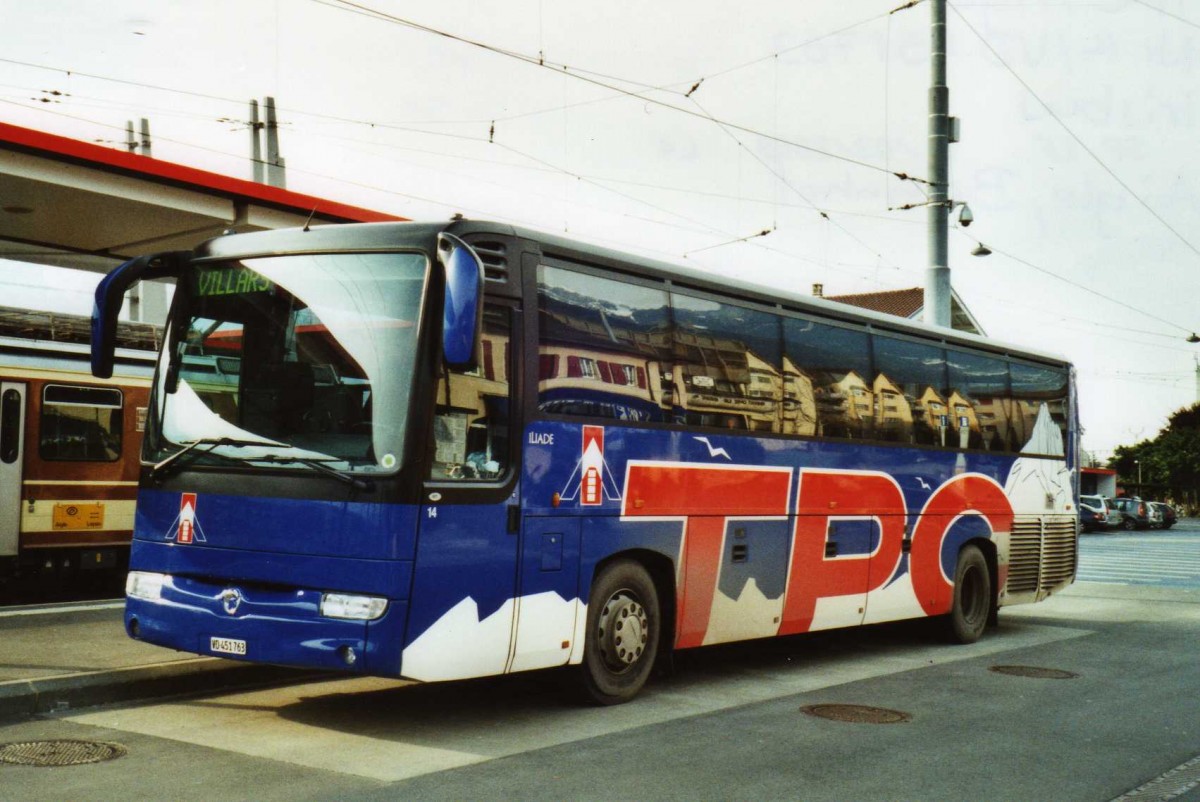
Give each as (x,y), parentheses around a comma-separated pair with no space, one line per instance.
(910,402)
(830,379)
(604,347)
(979,392)
(727,365)
(471,419)
(1034,388)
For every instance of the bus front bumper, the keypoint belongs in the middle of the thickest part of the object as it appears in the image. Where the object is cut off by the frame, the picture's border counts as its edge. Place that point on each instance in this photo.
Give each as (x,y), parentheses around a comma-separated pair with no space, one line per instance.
(263,625)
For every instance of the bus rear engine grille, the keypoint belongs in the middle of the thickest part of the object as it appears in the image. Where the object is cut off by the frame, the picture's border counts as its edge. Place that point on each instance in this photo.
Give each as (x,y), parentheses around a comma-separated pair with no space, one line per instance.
(1041,553)
(1058,552)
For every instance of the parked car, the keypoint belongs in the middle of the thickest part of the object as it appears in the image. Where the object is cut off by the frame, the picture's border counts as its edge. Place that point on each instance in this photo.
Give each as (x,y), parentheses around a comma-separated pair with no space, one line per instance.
(1167,513)
(1095,513)
(1132,512)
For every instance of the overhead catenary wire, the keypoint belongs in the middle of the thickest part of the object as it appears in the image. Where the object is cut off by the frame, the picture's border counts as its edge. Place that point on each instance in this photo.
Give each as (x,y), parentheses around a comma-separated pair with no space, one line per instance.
(1078,140)
(1082,287)
(449,205)
(726,126)
(1166,13)
(784,180)
(693,84)
(582,76)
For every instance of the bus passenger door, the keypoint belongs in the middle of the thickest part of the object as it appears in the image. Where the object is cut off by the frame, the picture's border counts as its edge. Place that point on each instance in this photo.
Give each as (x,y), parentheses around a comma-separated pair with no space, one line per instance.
(548,607)
(463,601)
(12,449)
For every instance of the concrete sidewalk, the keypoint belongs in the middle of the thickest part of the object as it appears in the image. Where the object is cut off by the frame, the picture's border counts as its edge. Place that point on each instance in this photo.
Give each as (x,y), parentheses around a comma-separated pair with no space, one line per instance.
(63,656)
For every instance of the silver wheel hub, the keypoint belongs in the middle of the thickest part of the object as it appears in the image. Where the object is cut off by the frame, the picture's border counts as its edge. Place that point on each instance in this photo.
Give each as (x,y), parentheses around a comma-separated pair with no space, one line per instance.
(622,631)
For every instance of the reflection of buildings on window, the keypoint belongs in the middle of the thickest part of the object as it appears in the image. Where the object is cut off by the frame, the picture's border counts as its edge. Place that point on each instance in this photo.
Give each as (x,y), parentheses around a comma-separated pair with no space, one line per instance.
(844,405)
(572,380)
(930,421)
(1006,424)
(718,382)
(471,423)
(765,391)
(470,391)
(964,422)
(893,412)
(799,401)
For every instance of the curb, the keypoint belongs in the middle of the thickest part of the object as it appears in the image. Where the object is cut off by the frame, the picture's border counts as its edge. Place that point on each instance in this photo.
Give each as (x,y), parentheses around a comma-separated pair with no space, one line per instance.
(22,699)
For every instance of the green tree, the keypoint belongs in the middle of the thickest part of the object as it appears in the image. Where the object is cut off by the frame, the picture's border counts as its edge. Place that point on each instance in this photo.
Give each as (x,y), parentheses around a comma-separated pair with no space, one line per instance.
(1170,461)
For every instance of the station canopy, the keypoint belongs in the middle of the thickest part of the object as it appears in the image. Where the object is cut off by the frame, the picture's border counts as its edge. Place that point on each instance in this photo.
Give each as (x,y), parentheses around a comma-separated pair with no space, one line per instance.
(68,203)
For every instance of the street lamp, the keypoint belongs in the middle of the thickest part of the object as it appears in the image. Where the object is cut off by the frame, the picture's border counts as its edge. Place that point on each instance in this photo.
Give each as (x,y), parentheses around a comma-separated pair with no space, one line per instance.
(1138,463)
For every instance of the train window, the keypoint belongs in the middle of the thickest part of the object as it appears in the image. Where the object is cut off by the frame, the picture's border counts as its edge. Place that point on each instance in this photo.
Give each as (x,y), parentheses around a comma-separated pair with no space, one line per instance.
(81,423)
(10,426)
(602,347)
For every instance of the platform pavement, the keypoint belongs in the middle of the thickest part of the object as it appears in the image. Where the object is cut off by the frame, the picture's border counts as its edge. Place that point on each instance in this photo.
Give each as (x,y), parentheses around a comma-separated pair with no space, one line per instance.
(67,656)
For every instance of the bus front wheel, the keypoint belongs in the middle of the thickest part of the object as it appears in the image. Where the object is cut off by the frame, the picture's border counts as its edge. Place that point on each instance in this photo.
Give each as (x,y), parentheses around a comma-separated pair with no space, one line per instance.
(623,623)
(972,605)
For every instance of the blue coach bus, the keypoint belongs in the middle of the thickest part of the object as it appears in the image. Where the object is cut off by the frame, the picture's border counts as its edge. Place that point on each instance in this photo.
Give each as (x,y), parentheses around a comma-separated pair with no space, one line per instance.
(440,451)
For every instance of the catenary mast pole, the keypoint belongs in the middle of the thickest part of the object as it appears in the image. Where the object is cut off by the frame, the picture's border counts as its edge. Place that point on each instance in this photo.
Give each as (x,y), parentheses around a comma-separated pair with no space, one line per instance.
(937,276)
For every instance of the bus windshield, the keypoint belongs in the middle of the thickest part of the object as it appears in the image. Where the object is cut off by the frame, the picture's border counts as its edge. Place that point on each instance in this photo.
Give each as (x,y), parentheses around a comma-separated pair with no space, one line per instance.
(291,359)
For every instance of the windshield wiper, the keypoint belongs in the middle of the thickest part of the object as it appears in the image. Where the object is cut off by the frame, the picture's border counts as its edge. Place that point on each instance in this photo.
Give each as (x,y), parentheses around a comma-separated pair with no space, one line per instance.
(193,448)
(320,467)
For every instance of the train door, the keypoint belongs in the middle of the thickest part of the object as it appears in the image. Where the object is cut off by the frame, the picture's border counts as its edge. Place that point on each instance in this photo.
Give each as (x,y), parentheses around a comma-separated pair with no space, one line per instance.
(12,424)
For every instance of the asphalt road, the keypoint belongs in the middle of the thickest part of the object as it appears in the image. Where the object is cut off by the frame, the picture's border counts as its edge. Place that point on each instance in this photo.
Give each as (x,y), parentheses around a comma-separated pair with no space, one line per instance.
(728,724)
(1165,558)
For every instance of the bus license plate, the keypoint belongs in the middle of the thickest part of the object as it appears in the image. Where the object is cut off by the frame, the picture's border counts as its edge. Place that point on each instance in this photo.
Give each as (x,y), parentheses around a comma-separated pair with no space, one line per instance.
(227,645)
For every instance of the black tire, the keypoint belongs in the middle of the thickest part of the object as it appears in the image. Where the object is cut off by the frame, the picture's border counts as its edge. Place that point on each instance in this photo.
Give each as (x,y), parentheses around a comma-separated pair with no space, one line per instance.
(624,624)
(973,598)
(1128,524)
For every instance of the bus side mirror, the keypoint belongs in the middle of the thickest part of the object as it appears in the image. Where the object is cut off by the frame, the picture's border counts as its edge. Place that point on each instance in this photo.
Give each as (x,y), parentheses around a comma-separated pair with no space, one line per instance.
(110,294)
(462,310)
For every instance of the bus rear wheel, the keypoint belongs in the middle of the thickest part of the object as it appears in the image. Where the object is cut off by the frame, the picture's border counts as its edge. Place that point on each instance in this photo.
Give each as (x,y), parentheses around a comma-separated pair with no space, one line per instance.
(972,607)
(623,628)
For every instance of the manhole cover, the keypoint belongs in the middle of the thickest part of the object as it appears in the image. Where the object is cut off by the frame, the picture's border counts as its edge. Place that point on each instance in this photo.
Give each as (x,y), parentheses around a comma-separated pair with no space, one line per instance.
(857,714)
(59,753)
(1034,672)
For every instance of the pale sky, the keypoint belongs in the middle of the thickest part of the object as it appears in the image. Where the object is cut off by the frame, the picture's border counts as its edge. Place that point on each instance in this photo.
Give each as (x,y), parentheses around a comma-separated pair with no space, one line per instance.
(1077,156)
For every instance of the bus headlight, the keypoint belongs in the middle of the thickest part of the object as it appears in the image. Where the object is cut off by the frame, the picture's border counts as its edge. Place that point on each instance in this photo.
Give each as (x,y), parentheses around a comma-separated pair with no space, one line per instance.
(355,608)
(144,585)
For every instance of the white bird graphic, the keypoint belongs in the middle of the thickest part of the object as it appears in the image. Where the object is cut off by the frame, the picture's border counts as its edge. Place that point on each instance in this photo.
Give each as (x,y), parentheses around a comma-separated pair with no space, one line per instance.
(924,484)
(714,452)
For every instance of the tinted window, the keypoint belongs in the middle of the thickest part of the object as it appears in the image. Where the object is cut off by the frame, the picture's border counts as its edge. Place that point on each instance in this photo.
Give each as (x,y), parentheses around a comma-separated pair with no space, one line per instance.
(827,380)
(978,397)
(1039,408)
(726,365)
(910,405)
(471,432)
(602,347)
(80,423)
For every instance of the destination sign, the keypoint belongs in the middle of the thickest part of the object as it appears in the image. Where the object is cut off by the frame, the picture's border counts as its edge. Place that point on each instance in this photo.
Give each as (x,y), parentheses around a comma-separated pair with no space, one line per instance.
(230,281)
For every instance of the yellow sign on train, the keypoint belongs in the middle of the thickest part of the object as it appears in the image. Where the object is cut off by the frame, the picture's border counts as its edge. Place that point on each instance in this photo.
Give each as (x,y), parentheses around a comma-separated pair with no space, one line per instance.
(78,516)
